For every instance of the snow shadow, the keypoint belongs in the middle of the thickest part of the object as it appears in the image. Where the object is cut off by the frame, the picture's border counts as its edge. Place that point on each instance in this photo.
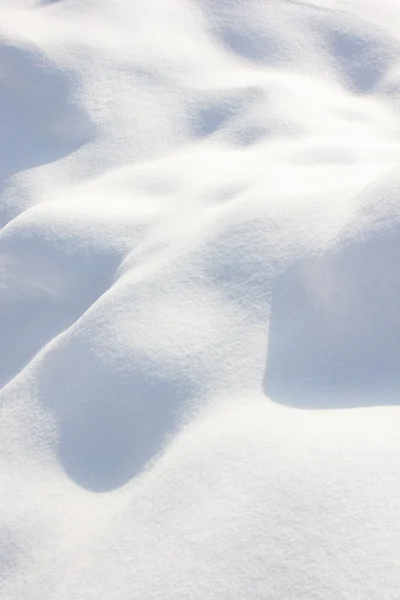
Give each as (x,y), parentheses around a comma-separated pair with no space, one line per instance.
(239,30)
(251,43)
(39,120)
(111,422)
(239,115)
(44,289)
(334,339)
(363,59)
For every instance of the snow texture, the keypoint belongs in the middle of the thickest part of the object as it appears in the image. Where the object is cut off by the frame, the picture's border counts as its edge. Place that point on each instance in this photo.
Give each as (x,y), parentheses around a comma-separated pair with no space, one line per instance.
(199,299)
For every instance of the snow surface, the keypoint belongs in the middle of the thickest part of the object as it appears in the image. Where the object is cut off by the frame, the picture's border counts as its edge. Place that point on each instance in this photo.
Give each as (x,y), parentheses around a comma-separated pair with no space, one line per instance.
(199,299)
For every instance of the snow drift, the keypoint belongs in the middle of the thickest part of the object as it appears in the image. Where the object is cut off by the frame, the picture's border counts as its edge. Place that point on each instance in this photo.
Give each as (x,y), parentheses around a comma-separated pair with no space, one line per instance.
(199,283)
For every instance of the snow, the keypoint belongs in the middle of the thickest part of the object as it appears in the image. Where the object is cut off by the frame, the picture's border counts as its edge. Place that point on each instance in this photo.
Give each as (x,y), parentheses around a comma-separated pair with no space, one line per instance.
(199,283)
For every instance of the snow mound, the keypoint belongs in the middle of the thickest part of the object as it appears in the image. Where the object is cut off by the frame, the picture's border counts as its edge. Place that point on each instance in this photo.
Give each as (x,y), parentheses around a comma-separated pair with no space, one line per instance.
(334,336)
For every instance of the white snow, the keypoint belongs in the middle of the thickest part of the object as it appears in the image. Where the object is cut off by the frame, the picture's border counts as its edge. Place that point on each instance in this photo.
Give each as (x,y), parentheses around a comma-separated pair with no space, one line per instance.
(199,299)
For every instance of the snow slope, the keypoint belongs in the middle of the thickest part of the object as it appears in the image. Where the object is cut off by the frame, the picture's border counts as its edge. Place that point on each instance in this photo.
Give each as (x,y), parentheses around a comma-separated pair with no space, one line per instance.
(199,299)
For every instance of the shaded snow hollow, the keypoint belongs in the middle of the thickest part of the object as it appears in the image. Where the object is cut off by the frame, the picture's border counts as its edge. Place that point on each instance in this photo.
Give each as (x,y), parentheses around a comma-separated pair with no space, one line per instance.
(199,299)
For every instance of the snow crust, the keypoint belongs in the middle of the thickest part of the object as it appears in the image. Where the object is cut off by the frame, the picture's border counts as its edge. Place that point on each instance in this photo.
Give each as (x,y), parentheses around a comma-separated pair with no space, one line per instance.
(199,299)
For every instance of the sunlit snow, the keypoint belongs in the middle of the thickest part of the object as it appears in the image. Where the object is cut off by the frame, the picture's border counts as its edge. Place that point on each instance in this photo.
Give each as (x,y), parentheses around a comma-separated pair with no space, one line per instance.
(199,299)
